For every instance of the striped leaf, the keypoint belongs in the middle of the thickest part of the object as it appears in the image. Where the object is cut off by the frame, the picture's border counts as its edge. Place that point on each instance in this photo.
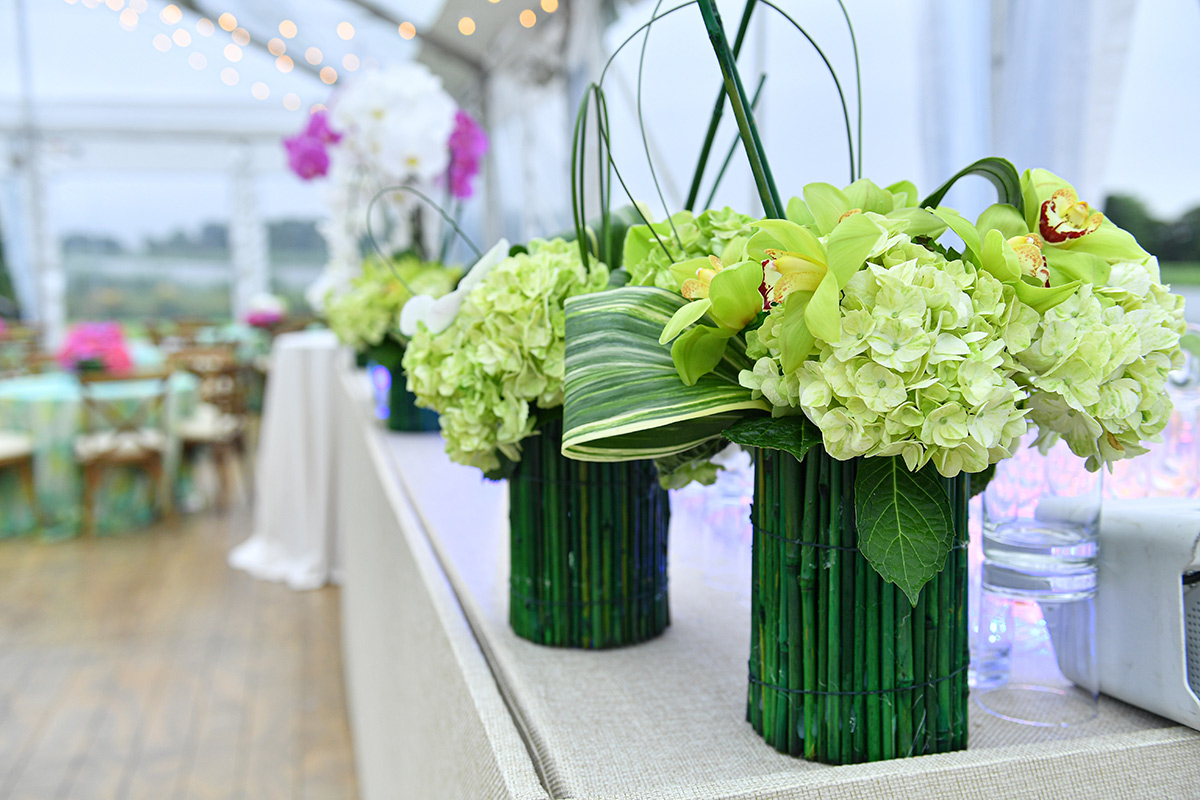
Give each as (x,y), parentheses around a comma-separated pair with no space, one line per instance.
(998,171)
(624,398)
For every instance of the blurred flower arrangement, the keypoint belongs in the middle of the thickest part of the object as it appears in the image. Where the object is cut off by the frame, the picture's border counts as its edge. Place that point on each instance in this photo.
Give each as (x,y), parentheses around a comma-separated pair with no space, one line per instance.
(489,357)
(367,313)
(399,138)
(95,346)
(266,311)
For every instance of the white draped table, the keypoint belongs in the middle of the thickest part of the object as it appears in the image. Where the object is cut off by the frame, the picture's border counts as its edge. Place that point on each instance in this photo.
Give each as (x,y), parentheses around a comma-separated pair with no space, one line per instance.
(293,540)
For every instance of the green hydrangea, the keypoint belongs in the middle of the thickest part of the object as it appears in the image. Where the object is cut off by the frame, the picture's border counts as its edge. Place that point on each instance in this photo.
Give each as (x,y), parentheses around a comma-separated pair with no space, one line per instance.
(370,310)
(923,368)
(1098,368)
(720,232)
(503,353)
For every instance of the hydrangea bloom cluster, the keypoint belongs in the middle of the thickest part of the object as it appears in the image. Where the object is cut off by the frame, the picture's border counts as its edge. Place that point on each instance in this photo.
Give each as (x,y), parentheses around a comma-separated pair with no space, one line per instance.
(1099,364)
(502,354)
(713,232)
(370,310)
(924,368)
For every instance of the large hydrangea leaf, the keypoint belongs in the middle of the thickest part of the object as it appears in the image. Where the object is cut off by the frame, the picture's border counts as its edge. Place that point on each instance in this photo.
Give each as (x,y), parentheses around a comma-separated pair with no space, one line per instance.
(904,523)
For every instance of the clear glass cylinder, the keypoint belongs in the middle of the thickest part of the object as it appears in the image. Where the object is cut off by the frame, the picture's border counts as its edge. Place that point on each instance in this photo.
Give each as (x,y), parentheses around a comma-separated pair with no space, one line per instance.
(1036,653)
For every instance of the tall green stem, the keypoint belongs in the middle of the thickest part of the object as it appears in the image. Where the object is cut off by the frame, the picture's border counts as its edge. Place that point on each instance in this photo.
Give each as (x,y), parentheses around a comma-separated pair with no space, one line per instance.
(772,204)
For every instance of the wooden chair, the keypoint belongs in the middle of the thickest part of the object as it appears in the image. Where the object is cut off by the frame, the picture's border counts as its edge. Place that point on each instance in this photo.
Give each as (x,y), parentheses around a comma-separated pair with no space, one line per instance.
(220,421)
(16,453)
(113,436)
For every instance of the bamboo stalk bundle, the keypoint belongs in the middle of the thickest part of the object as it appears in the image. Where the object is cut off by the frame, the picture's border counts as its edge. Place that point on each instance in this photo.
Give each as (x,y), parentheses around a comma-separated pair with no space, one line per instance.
(589,548)
(843,668)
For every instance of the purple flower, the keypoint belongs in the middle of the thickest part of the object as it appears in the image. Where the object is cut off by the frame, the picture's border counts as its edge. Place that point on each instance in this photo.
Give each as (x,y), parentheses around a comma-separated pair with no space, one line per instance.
(318,128)
(307,156)
(467,144)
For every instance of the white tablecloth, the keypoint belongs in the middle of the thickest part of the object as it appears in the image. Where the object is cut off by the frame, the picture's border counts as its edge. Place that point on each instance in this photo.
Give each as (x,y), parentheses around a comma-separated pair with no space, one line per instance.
(293,540)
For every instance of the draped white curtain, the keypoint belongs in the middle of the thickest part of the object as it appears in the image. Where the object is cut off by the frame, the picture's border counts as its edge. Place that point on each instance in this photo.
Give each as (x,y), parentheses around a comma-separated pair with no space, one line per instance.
(1034,82)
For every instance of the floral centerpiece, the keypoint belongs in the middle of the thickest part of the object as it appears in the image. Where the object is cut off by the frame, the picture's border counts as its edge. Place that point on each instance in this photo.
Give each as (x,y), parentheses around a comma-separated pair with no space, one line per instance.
(367,317)
(588,542)
(875,369)
(97,346)
(400,141)
(265,311)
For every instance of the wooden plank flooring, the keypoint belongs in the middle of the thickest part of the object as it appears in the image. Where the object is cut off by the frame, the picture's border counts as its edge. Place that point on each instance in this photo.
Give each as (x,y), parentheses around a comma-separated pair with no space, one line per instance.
(142,666)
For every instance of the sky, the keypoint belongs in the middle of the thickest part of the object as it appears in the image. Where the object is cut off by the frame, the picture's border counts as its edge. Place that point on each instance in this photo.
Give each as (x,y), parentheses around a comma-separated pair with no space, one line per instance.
(83,58)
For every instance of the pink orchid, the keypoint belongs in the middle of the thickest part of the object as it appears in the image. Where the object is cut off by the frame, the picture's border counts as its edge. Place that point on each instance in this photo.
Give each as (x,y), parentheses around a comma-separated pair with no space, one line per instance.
(468,143)
(307,156)
(318,128)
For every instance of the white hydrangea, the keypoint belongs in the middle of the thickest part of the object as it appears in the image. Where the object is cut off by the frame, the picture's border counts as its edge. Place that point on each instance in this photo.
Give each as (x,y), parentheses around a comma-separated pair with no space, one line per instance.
(924,368)
(1098,366)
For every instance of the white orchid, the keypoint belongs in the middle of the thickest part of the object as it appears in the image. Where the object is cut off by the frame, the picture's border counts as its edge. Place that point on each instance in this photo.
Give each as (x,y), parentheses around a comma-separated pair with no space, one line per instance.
(437,313)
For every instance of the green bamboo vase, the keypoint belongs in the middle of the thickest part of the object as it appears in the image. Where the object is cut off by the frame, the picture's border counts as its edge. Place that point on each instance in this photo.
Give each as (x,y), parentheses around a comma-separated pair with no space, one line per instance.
(843,668)
(589,548)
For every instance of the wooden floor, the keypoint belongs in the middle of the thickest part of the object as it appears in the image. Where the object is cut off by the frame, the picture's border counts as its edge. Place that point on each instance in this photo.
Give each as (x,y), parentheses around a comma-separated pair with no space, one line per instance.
(142,666)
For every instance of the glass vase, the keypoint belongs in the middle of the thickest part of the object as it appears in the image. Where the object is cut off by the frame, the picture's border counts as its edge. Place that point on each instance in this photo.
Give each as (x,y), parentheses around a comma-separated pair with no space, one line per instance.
(589,548)
(843,668)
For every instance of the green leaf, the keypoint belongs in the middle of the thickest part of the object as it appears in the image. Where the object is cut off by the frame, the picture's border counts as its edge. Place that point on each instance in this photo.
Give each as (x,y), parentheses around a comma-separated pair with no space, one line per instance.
(735,297)
(624,399)
(980,480)
(827,204)
(795,339)
(1001,217)
(849,245)
(798,212)
(698,352)
(792,434)
(684,317)
(904,522)
(999,171)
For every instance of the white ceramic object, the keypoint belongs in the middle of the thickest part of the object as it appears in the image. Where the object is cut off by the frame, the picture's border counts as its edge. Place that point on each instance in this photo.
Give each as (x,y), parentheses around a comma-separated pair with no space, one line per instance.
(1147,620)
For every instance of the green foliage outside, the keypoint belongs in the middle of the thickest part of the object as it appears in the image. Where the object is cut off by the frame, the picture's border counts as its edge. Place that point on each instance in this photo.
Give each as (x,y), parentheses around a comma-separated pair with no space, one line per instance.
(1175,242)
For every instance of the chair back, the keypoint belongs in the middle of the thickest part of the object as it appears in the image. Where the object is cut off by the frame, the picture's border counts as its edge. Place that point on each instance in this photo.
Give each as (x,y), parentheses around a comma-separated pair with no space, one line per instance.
(125,414)
(222,380)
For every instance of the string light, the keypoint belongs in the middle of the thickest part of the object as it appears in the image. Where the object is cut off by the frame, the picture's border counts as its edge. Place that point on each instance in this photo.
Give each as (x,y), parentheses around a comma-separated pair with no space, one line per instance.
(549,6)
(229,76)
(260,90)
(407,30)
(287,29)
(197,61)
(115,5)
(350,62)
(291,101)
(181,37)
(233,52)
(241,36)
(161,43)
(205,27)
(276,47)
(171,14)
(528,18)
(345,30)
(466,26)
(227,21)
(317,107)
(313,56)
(329,75)
(284,63)
(128,19)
